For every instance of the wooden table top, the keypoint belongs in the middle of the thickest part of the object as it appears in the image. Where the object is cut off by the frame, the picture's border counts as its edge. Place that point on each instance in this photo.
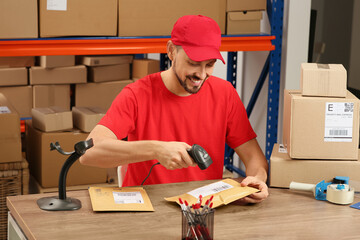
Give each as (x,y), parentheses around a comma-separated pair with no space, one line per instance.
(286,214)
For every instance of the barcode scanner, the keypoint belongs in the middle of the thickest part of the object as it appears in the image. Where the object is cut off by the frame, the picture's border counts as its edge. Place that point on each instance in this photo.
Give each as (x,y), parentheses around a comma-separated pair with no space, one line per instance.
(200,156)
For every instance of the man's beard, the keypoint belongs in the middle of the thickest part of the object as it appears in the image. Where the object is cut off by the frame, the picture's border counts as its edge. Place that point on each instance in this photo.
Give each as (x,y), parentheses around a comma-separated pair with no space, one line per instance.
(193,90)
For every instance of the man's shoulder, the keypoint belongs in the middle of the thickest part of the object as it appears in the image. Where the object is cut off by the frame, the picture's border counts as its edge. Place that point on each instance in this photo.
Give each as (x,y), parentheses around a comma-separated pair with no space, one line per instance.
(219,83)
(144,83)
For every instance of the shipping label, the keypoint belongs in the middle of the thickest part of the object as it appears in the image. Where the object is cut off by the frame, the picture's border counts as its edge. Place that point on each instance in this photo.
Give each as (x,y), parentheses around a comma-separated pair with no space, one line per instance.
(56,5)
(339,121)
(4,109)
(210,189)
(128,197)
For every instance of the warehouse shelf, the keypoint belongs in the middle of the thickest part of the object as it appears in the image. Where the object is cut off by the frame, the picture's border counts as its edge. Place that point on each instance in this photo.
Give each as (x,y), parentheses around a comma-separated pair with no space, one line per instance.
(143,45)
(120,45)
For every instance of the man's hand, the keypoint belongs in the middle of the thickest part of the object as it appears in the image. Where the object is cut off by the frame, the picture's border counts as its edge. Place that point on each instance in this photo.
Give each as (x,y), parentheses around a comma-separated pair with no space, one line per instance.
(255,197)
(174,155)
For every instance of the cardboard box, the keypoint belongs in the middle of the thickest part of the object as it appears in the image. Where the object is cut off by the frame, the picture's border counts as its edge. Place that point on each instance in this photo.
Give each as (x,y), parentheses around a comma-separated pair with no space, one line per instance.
(51,119)
(10,62)
(321,128)
(157,17)
(144,67)
(284,170)
(13,76)
(326,80)
(105,93)
(21,98)
(104,60)
(61,75)
(51,95)
(245,5)
(57,61)
(18,19)
(243,22)
(78,18)
(45,165)
(10,138)
(86,118)
(109,73)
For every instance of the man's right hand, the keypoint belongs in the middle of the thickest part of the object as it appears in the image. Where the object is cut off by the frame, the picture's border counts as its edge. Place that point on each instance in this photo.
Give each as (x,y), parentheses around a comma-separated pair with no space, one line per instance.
(174,155)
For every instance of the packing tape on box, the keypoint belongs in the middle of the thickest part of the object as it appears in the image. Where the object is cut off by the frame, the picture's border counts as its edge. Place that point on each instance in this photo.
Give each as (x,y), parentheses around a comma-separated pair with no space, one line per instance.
(340,193)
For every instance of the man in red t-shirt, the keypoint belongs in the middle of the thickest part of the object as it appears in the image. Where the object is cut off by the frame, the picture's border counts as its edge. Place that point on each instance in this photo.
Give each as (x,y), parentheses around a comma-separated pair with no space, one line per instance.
(164,114)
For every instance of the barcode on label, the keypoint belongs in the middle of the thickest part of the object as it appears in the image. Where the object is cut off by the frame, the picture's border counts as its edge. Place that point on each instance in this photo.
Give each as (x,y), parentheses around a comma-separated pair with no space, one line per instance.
(349,107)
(338,132)
(127,194)
(210,189)
(221,188)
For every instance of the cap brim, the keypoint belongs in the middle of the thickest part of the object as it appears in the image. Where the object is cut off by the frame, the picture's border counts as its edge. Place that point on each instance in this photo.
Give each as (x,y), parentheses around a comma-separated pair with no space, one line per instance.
(199,54)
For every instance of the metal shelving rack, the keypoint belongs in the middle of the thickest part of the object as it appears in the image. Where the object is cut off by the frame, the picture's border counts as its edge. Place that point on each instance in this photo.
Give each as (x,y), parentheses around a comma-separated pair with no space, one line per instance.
(143,45)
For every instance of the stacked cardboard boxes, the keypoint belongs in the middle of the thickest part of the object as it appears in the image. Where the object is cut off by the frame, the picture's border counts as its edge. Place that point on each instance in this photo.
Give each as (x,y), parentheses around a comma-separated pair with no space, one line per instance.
(108,75)
(51,80)
(14,83)
(14,174)
(320,127)
(244,16)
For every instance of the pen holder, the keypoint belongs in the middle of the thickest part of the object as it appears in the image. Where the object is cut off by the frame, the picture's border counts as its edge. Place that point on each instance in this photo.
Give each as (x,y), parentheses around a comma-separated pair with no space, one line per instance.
(198,224)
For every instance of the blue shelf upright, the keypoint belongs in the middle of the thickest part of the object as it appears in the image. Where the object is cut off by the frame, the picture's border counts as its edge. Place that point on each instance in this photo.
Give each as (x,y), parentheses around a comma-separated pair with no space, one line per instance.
(272,67)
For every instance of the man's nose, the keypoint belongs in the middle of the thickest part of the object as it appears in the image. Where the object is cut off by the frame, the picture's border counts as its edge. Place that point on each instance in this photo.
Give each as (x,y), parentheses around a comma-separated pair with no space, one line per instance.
(201,73)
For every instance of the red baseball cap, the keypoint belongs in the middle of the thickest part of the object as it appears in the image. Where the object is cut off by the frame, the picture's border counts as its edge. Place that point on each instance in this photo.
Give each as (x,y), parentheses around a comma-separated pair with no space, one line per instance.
(199,36)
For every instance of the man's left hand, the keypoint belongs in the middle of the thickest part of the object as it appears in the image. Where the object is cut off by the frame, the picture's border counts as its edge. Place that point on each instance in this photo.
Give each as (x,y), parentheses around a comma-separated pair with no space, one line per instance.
(255,197)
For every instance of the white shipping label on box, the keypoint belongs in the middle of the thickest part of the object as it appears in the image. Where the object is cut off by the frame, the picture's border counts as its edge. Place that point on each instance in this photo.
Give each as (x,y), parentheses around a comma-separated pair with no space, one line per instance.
(56,5)
(339,121)
(4,109)
(210,189)
(128,197)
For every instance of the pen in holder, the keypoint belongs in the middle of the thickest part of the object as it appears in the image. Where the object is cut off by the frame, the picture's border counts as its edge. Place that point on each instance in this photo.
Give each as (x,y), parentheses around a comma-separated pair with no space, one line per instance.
(63,203)
(197,224)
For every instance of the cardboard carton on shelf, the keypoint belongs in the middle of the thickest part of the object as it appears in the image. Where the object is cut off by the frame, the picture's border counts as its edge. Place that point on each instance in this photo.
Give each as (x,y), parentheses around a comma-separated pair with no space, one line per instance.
(103,60)
(18,19)
(324,80)
(52,119)
(105,93)
(321,127)
(78,18)
(144,67)
(23,61)
(284,169)
(243,22)
(109,73)
(57,61)
(152,20)
(60,75)
(45,165)
(51,95)
(21,98)
(86,118)
(13,76)
(10,138)
(245,5)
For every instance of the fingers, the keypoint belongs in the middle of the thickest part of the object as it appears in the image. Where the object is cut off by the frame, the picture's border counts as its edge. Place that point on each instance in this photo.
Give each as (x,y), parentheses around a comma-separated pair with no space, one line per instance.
(174,155)
(255,197)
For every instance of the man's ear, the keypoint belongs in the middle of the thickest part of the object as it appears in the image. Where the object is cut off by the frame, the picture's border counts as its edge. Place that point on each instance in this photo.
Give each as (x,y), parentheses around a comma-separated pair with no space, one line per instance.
(171,50)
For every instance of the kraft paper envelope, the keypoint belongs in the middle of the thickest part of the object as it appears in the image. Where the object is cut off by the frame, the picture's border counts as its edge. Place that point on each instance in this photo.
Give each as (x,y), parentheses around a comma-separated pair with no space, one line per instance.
(224,192)
(120,199)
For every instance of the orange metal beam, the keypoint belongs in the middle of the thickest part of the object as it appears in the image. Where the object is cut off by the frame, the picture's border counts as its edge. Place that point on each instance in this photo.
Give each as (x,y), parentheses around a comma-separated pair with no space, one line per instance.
(40,47)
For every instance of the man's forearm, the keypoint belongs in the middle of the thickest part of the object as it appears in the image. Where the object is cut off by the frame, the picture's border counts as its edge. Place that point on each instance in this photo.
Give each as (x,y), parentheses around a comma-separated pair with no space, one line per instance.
(109,152)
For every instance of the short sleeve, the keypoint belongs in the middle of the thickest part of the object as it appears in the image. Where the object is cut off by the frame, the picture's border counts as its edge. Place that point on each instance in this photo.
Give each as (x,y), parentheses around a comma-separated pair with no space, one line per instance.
(239,129)
(121,116)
